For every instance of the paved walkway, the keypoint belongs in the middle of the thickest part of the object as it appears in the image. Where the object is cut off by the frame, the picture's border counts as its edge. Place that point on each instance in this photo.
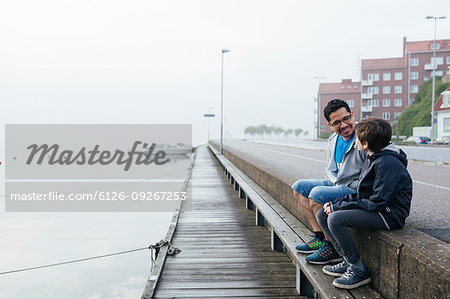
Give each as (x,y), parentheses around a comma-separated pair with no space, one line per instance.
(223,253)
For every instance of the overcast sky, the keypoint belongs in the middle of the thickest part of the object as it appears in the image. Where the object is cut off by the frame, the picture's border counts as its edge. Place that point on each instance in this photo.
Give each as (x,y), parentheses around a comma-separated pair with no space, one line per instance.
(105,61)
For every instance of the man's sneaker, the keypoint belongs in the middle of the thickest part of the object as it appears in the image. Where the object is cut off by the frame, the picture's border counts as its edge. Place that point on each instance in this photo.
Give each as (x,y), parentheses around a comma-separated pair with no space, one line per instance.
(324,255)
(310,247)
(336,270)
(352,278)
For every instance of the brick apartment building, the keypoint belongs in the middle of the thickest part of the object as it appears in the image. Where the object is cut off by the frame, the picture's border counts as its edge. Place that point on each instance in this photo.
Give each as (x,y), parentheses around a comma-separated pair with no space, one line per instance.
(383,88)
(388,85)
(419,56)
(346,90)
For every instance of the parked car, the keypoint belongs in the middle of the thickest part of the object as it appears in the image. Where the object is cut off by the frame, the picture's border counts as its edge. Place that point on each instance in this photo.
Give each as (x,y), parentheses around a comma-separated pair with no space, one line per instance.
(443,140)
(417,139)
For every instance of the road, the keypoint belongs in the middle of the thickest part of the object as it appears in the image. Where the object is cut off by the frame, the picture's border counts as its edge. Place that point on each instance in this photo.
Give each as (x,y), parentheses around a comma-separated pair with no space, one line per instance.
(438,154)
(431,200)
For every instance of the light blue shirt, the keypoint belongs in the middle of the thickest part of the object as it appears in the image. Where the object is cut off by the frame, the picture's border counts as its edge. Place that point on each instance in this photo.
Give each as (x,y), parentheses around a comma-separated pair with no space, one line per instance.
(342,147)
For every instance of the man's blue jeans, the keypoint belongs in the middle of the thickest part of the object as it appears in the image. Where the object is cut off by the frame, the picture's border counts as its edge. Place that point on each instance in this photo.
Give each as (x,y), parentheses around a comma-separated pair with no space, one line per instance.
(321,191)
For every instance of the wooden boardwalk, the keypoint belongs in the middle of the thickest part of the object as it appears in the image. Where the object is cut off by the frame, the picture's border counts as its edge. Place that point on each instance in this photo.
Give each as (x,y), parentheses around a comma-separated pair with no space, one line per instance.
(224,254)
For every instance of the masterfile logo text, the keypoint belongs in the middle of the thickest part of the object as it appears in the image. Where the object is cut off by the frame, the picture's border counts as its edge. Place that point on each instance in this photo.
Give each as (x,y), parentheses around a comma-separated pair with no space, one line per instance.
(101,168)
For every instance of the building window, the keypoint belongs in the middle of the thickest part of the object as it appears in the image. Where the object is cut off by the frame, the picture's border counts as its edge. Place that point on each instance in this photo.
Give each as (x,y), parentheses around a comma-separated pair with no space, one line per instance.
(445,100)
(386,89)
(398,89)
(386,103)
(414,88)
(373,77)
(373,90)
(386,76)
(398,102)
(435,46)
(437,60)
(351,103)
(397,114)
(414,75)
(447,124)
(398,76)
(373,103)
(411,101)
(386,116)
(414,61)
(448,59)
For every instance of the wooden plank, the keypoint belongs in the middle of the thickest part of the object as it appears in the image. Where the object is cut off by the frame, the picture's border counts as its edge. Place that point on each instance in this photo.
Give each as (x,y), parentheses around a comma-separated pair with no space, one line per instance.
(171,283)
(236,266)
(250,272)
(242,297)
(233,293)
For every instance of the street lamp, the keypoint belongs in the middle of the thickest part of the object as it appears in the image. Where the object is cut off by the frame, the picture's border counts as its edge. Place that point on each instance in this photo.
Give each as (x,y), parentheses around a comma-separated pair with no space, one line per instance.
(221,106)
(434,75)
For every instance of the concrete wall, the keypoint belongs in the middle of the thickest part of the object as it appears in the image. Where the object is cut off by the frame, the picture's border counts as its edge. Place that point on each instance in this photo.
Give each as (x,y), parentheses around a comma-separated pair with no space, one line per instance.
(403,263)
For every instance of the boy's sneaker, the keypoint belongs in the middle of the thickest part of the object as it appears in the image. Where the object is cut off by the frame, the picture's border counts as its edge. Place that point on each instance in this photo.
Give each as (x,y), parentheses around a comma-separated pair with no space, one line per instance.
(310,247)
(325,255)
(336,270)
(352,278)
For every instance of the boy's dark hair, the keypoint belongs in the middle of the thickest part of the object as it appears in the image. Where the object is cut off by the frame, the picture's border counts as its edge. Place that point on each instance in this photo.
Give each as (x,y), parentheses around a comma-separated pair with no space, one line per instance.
(375,131)
(333,106)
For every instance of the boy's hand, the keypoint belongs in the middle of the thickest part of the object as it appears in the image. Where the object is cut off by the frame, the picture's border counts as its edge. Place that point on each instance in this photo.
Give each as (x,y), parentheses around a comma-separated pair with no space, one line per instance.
(327,208)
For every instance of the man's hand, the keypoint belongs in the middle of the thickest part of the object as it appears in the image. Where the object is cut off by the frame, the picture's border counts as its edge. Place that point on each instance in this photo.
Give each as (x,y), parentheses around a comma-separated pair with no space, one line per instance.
(327,208)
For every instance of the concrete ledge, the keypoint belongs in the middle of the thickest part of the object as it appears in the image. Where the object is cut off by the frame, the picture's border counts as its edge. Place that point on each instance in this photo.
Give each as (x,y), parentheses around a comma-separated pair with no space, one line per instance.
(403,263)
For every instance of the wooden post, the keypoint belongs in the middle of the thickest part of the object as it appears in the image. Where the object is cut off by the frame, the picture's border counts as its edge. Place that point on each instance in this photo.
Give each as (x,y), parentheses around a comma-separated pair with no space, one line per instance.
(302,284)
(242,193)
(249,204)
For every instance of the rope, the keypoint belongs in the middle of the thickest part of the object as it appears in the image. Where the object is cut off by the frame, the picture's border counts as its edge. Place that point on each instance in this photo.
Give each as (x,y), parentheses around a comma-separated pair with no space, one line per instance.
(155,250)
(153,255)
(73,261)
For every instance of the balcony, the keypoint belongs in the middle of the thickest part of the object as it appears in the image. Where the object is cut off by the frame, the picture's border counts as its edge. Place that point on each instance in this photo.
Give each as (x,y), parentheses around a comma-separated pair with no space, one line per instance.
(366,83)
(428,67)
(366,96)
(366,109)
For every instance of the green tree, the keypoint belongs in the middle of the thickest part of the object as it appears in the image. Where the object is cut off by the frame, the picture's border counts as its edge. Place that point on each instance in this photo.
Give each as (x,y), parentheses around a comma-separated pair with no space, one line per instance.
(297,132)
(261,130)
(287,133)
(250,130)
(278,131)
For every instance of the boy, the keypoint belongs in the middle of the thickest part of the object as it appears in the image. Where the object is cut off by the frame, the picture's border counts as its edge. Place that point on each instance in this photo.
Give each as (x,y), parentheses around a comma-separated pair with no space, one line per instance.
(382,202)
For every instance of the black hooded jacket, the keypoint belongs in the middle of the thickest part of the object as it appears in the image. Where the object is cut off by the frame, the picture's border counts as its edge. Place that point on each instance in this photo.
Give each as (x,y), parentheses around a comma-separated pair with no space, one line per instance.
(384,186)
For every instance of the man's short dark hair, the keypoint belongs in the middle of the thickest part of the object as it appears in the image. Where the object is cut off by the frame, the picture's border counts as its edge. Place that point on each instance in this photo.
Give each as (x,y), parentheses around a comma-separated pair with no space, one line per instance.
(375,131)
(333,106)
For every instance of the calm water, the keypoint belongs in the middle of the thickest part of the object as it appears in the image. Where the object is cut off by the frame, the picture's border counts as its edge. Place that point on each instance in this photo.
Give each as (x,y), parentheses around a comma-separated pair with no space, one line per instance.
(32,239)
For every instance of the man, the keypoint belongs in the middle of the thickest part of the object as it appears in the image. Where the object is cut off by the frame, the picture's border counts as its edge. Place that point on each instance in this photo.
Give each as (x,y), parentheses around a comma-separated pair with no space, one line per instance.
(343,168)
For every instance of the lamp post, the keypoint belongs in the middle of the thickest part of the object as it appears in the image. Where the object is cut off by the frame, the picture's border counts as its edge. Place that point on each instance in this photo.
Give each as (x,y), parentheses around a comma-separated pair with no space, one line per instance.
(221,106)
(433,96)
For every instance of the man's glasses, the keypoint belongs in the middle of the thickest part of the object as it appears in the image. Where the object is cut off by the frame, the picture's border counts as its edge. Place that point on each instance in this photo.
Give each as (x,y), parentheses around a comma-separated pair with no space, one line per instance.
(346,119)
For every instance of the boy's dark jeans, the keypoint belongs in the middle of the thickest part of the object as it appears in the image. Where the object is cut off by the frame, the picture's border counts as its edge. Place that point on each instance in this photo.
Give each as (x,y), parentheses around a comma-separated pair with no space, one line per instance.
(335,227)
